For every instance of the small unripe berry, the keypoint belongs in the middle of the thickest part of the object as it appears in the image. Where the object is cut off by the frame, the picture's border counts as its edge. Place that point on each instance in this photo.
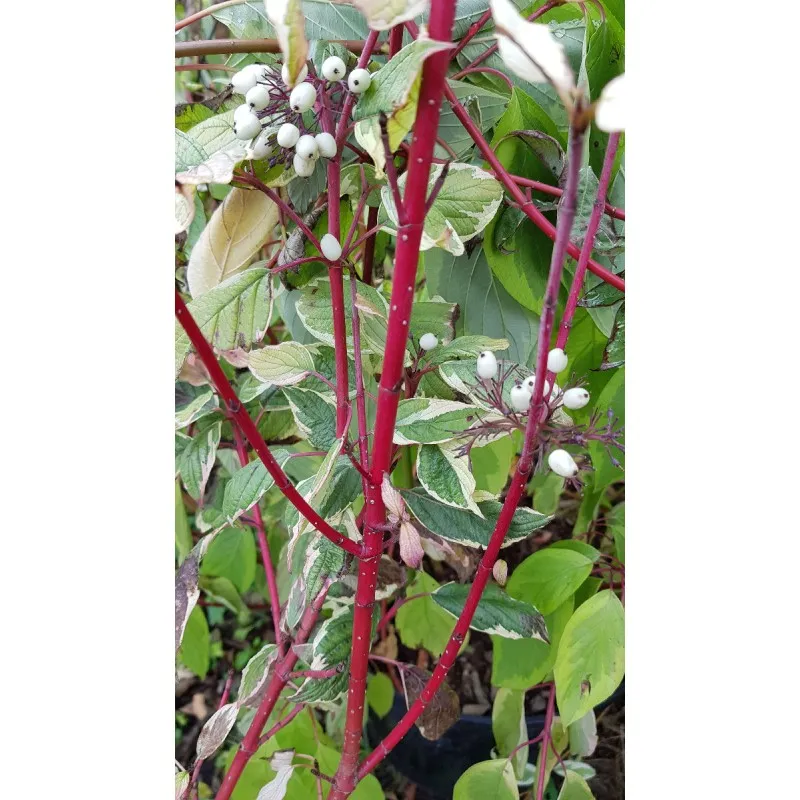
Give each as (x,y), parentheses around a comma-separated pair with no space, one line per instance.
(500,571)
(333,68)
(562,463)
(245,79)
(261,146)
(487,365)
(576,398)
(300,78)
(247,127)
(520,398)
(257,97)
(307,147)
(326,145)
(530,382)
(331,248)
(303,96)
(428,341)
(359,81)
(288,135)
(556,360)
(303,167)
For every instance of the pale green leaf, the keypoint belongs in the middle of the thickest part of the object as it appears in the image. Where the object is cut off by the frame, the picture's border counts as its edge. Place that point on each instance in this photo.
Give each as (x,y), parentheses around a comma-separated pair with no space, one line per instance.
(380,693)
(466,347)
(281,364)
(197,458)
(488,780)
(195,652)
(315,415)
(248,485)
(421,622)
(232,554)
(575,788)
(429,420)
(509,727)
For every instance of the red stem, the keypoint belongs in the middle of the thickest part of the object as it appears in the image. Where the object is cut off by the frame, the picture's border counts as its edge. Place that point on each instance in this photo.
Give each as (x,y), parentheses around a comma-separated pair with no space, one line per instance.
(546,734)
(363,60)
(390,614)
(249,429)
(611,211)
(361,405)
(488,71)
(281,724)
(403,281)
(472,31)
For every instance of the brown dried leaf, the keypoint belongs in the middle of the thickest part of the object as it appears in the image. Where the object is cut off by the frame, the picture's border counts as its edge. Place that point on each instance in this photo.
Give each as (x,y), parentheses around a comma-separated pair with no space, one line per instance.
(186,594)
(387,648)
(443,710)
(391,577)
(216,730)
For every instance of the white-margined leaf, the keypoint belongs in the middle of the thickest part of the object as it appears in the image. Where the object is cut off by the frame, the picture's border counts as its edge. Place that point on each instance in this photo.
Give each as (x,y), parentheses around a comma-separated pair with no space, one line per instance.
(195,461)
(281,765)
(315,415)
(204,140)
(236,231)
(446,475)
(255,674)
(287,18)
(429,420)
(204,404)
(497,613)
(184,208)
(248,485)
(465,347)
(186,594)
(217,168)
(384,14)
(281,364)
(216,730)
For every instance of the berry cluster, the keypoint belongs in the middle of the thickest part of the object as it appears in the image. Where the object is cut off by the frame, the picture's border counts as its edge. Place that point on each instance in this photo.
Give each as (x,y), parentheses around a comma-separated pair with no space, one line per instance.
(274,115)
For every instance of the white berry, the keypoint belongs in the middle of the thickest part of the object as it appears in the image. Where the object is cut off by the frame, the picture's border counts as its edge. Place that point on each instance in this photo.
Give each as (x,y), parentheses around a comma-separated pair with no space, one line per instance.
(326,145)
(556,360)
(333,68)
(520,397)
(303,96)
(428,341)
(303,167)
(300,78)
(245,79)
(487,365)
(331,248)
(242,112)
(288,135)
(307,147)
(257,97)
(576,398)
(359,81)
(531,382)
(562,463)
(247,127)
(261,146)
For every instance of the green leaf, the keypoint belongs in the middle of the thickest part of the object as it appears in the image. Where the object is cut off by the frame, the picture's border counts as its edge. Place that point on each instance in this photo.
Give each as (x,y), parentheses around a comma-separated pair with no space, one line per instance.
(429,420)
(183,533)
(446,475)
(616,522)
(609,239)
(488,780)
(546,148)
(368,788)
(614,354)
(315,415)
(577,546)
(509,727)
(433,316)
(281,364)
(546,488)
(234,314)
(548,577)
(195,652)
(255,674)
(222,590)
(232,554)
(464,206)
(384,14)
(465,528)
(590,662)
(575,788)
(491,464)
(196,459)
(248,485)
(380,693)
(612,396)
(583,735)
(467,347)
(489,105)
(421,622)
(203,404)
(497,613)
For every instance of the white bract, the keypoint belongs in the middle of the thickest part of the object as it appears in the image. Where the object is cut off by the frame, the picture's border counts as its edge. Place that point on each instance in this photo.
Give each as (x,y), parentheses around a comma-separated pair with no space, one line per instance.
(487,365)
(257,97)
(333,68)
(428,341)
(359,81)
(520,397)
(303,167)
(576,398)
(326,145)
(530,382)
(529,49)
(288,135)
(609,113)
(562,463)
(556,360)
(330,246)
(247,127)
(245,79)
(303,96)
(300,78)
(261,146)
(307,147)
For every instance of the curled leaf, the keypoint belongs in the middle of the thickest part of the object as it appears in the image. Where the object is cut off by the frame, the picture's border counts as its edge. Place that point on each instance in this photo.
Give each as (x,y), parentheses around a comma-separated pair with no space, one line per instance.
(411,551)
(216,730)
(186,594)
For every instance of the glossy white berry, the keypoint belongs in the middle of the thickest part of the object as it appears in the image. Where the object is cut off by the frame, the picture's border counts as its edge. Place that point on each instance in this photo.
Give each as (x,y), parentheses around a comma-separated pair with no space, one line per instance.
(257,97)
(242,112)
(246,127)
(487,365)
(302,166)
(303,96)
(562,463)
(530,382)
(326,145)
(520,397)
(331,248)
(307,147)
(576,398)
(245,79)
(359,81)
(428,341)
(300,78)
(288,135)
(333,68)
(556,360)
(261,146)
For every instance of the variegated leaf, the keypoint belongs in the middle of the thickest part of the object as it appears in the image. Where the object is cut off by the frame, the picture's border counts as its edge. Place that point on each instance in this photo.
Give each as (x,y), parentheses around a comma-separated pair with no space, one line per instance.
(218,168)
(186,594)
(195,461)
(446,475)
(315,415)
(429,420)
(216,730)
(465,347)
(384,14)
(248,485)
(255,674)
(281,364)
(281,765)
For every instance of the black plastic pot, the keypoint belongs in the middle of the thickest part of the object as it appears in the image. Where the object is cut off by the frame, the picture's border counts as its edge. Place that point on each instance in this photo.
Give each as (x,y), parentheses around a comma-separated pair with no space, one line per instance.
(436,766)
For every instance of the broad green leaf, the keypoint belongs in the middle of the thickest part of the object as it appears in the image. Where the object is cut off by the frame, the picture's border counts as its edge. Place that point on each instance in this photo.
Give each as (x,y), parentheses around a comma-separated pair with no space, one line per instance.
(234,314)
(509,727)
(548,577)
(575,788)
(489,107)
(421,622)
(281,364)
(577,546)
(197,458)
(497,613)
(488,780)
(614,354)
(445,474)
(433,316)
(546,148)
(248,485)
(288,20)
(587,589)
(183,533)
(464,206)
(315,415)
(222,590)
(611,397)
(234,234)
(491,465)
(590,662)
(546,488)
(255,674)
(465,528)
(586,771)
(380,693)
(466,347)
(428,420)
(232,554)
(195,652)
(583,735)
(616,523)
